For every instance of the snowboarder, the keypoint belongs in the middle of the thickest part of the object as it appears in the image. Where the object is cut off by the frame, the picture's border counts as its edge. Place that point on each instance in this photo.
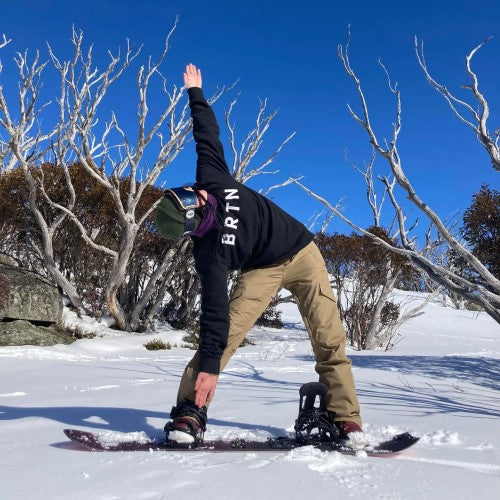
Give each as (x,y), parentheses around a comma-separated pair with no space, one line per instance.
(233,227)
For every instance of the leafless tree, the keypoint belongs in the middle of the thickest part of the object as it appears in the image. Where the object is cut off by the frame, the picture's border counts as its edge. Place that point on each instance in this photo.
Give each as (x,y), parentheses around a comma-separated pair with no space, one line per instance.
(365,303)
(4,41)
(245,154)
(371,192)
(437,250)
(7,159)
(126,158)
(28,146)
(106,152)
(478,286)
(479,113)
(377,335)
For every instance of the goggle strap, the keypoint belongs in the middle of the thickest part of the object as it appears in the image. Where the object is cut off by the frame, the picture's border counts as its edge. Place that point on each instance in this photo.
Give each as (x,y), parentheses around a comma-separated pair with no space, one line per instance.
(189,223)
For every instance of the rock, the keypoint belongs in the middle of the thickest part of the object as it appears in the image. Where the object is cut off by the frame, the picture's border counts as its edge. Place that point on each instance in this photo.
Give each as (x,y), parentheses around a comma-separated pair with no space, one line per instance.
(7,260)
(30,308)
(25,295)
(20,332)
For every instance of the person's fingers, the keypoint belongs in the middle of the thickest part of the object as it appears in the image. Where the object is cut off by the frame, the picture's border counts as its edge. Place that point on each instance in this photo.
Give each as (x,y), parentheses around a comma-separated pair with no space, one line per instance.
(201,392)
(201,398)
(211,394)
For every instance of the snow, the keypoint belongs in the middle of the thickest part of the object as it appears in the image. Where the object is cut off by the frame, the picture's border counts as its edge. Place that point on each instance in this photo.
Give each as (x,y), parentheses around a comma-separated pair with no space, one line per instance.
(441,382)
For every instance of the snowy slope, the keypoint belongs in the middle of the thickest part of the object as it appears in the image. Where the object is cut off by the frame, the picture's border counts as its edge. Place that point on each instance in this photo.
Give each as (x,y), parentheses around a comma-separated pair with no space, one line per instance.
(441,382)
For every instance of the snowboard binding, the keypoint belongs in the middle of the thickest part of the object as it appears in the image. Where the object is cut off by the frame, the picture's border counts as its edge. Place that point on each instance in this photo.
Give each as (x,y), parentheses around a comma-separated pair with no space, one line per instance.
(314,425)
(188,423)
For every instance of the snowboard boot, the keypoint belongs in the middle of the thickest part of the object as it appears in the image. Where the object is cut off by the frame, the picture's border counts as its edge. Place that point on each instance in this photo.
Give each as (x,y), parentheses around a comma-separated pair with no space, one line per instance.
(188,423)
(347,427)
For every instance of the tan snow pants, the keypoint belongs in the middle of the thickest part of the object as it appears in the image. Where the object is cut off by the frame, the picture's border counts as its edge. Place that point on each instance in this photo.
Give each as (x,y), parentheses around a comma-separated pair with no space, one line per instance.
(305,276)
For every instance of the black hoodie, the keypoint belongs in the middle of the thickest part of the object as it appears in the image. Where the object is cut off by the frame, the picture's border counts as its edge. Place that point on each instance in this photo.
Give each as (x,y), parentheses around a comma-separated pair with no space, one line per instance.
(251,232)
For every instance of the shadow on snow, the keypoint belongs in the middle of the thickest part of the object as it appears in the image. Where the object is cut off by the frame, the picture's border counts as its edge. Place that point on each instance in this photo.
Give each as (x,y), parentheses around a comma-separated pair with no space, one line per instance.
(113,419)
(441,390)
(481,371)
(441,394)
(484,372)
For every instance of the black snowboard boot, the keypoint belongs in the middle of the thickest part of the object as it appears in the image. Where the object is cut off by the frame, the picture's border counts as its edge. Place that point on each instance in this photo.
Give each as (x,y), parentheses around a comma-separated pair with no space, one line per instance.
(189,423)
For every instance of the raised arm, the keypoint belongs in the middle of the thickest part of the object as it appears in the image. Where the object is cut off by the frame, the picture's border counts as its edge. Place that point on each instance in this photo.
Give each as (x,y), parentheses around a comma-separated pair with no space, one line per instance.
(205,130)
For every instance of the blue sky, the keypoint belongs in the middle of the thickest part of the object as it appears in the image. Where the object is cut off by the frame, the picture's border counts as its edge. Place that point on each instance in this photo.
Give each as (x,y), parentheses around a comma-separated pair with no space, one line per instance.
(286,51)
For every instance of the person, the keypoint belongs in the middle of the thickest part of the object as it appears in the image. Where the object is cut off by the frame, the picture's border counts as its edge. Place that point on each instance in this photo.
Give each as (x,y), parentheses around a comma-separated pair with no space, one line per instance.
(234,227)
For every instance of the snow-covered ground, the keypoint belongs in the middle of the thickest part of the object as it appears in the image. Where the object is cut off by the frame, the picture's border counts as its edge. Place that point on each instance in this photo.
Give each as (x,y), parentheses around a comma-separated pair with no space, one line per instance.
(441,382)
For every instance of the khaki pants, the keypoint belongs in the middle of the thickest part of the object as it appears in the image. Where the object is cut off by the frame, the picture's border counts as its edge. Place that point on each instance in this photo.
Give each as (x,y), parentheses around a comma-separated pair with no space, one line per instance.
(305,276)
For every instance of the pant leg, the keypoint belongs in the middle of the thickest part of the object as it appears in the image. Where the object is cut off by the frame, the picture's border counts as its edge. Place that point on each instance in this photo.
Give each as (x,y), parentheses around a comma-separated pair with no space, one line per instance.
(255,290)
(306,277)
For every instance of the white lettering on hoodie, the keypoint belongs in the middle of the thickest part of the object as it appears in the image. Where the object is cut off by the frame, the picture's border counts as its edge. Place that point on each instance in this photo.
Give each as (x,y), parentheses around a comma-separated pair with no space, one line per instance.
(230,222)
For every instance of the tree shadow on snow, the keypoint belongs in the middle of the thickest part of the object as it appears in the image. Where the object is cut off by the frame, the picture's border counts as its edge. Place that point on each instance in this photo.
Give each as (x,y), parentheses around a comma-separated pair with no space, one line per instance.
(427,399)
(113,418)
(484,372)
(441,391)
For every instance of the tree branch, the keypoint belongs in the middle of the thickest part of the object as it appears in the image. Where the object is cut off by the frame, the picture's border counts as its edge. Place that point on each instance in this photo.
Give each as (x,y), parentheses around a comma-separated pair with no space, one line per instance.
(479,122)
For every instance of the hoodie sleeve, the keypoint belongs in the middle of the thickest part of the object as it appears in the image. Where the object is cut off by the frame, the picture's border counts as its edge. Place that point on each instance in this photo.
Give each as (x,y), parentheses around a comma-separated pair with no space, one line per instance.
(214,319)
(209,149)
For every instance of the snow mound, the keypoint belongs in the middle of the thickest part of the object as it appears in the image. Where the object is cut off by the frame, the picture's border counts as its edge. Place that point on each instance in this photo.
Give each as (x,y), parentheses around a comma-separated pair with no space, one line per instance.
(441,437)
(112,438)
(235,433)
(321,461)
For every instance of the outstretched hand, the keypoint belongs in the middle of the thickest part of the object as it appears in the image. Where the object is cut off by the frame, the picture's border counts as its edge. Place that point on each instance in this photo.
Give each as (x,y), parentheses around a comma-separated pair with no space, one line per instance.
(205,388)
(192,76)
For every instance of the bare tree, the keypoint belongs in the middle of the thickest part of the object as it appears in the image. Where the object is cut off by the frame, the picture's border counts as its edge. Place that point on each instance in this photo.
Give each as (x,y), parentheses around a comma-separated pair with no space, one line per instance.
(378,333)
(371,192)
(250,145)
(27,147)
(4,41)
(478,122)
(78,136)
(128,162)
(479,285)
(7,160)
(365,278)
(115,162)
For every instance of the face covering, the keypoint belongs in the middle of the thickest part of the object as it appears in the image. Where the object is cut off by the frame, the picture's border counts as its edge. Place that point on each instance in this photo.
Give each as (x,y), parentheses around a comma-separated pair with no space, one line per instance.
(208,217)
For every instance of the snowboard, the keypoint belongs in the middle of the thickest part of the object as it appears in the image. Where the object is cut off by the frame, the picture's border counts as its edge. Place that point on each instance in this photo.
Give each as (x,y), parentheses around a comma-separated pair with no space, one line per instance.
(94,441)
(313,427)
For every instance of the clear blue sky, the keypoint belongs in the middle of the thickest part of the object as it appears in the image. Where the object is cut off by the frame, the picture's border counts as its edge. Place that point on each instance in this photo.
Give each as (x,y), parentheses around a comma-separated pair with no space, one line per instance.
(286,51)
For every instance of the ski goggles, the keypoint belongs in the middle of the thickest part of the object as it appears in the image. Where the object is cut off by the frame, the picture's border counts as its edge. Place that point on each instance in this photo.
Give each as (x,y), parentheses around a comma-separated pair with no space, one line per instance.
(184,199)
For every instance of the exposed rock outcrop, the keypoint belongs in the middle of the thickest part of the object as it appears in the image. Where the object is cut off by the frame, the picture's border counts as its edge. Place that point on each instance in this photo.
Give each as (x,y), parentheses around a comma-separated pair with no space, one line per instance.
(30,308)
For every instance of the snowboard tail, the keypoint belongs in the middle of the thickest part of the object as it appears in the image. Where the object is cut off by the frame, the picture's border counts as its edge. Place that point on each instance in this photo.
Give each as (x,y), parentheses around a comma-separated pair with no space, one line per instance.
(96,442)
